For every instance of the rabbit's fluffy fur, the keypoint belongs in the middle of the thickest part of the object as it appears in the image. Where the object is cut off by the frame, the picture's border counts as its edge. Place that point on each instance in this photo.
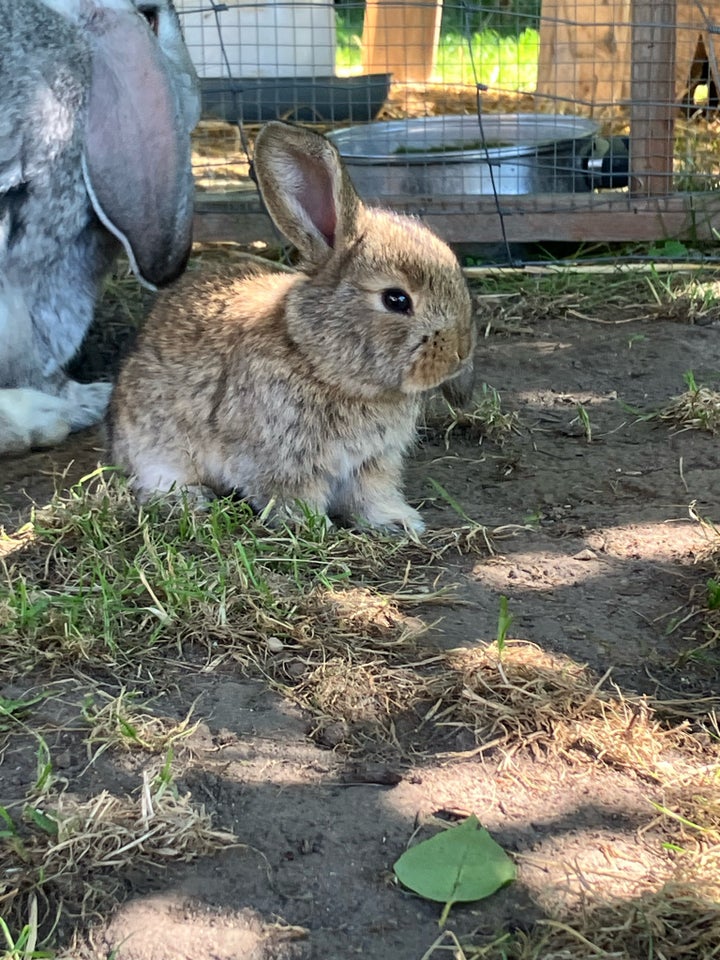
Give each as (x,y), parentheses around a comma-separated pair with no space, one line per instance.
(85,166)
(302,385)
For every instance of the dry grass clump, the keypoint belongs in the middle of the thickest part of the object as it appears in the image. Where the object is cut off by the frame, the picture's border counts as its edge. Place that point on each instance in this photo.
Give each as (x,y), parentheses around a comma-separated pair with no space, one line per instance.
(680,920)
(352,660)
(696,409)
(674,923)
(389,691)
(688,817)
(523,697)
(116,722)
(72,854)
(483,419)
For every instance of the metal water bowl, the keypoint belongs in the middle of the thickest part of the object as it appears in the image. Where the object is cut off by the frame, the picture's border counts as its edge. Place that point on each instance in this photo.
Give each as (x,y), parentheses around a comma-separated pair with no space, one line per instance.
(450,156)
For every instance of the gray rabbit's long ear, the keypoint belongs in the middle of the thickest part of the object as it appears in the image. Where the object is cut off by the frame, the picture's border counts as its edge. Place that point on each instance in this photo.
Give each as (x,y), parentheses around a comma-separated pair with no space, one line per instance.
(136,159)
(306,189)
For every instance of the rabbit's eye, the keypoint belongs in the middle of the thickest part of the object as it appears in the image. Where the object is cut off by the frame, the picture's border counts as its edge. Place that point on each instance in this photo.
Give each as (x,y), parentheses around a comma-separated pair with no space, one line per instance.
(151,15)
(397,301)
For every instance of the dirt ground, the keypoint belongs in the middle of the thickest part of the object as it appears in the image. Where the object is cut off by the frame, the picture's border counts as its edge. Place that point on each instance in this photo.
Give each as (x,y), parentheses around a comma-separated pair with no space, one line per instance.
(601,571)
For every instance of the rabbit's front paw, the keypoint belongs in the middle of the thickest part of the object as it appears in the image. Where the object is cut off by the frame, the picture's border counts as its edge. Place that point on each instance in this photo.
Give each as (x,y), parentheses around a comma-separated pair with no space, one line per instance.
(394,516)
(87,402)
(29,418)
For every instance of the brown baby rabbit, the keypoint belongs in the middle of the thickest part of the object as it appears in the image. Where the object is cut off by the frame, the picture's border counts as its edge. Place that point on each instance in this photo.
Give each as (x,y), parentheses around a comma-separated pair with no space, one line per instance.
(300,385)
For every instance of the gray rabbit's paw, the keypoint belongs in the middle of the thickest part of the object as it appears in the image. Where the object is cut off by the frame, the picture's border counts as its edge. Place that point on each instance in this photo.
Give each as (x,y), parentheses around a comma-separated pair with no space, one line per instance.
(86,402)
(29,418)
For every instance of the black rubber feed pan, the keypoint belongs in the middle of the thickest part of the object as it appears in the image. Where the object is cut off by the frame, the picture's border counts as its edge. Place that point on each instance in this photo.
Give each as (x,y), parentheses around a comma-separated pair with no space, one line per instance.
(309,99)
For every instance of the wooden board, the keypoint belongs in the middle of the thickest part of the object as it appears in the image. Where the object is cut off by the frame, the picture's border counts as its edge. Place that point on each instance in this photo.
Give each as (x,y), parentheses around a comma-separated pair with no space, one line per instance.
(582,217)
(652,112)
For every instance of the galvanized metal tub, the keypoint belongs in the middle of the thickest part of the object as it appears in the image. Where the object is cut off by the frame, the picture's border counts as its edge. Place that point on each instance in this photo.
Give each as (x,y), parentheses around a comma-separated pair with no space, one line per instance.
(450,156)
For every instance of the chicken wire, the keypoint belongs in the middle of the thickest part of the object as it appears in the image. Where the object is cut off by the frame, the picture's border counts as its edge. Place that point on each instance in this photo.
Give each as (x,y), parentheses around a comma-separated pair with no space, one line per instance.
(471,115)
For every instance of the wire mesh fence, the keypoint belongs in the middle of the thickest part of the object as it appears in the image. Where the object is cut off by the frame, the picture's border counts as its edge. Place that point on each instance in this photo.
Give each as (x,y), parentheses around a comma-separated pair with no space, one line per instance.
(521,119)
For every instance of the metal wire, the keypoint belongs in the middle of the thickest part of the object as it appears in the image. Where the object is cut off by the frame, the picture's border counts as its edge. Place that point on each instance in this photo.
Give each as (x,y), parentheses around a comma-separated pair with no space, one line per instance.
(238,113)
(579,34)
(479,87)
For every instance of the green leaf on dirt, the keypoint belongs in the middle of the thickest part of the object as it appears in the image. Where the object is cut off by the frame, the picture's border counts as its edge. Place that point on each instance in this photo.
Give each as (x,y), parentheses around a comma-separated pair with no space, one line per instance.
(457,865)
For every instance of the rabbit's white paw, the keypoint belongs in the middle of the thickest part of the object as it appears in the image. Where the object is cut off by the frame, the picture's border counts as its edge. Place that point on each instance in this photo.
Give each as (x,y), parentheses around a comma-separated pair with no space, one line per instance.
(394,516)
(86,402)
(29,418)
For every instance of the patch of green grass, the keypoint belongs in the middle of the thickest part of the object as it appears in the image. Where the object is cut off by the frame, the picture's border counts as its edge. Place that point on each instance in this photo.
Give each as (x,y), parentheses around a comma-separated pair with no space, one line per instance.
(610,292)
(94,577)
(116,577)
(23,944)
(470,50)
(14,711)
(505,619)
(489,58)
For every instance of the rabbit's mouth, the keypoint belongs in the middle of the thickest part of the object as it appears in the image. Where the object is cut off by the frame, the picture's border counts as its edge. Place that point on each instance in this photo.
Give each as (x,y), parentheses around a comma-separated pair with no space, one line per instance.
(430,371)
(438,358)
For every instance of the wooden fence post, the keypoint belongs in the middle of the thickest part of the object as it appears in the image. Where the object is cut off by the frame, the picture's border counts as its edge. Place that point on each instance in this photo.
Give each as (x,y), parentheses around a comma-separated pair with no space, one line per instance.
(401,37)
(652,91)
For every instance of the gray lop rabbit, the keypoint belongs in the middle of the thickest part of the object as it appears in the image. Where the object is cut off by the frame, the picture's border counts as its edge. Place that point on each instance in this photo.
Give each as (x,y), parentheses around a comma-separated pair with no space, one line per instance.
(305,384)
(97,101)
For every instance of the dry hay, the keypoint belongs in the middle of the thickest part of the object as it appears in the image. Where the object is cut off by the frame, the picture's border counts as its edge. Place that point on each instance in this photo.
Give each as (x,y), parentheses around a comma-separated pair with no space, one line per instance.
(525,698)
(482,419)
(696,409)
(674,923)
(327,618)
(367,694)
(72,855)
(116,723)
(688,818)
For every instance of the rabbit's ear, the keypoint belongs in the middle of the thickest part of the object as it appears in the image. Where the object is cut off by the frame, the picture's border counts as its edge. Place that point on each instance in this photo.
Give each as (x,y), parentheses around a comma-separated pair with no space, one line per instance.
(136,159)
(306,189)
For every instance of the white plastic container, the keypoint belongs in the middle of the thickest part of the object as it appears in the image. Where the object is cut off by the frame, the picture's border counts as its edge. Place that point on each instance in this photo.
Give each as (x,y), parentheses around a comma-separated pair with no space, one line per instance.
(251,39)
